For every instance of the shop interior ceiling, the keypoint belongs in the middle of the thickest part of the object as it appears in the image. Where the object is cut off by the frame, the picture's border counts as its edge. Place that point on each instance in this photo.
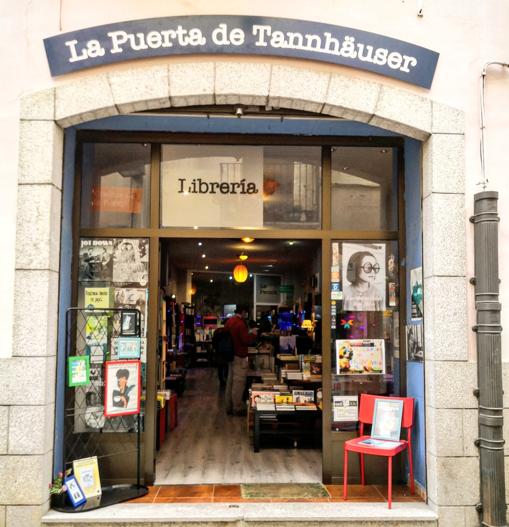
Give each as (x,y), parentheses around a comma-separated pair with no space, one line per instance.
(222,255)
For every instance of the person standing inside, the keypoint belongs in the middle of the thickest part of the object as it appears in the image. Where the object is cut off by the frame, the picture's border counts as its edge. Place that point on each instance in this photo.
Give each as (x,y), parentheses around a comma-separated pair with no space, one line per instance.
(242,337)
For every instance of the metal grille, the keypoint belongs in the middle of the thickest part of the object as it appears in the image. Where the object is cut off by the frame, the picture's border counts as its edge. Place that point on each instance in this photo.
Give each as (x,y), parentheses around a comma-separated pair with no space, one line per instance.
(87,432)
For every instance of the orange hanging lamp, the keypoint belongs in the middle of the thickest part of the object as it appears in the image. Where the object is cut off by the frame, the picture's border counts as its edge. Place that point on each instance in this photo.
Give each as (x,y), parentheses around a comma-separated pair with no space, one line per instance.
(240,273)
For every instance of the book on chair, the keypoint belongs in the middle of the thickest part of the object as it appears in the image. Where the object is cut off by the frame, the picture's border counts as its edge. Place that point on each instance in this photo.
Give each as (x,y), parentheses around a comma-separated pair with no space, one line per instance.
(386,427)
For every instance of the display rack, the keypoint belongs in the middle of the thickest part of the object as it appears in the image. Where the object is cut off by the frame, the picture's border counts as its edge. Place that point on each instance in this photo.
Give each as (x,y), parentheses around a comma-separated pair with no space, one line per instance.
(87,432)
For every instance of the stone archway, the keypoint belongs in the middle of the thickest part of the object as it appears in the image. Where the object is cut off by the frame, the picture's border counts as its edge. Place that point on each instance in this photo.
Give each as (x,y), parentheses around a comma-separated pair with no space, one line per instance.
(450,377)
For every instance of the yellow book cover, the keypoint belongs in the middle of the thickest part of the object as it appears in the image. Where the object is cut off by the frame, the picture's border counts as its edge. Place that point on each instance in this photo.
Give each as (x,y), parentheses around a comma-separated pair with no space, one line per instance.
(283,399)
(99,297)
(86,471)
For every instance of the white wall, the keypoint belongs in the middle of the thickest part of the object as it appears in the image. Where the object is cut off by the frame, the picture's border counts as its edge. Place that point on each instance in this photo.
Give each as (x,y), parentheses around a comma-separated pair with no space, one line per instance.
(467,33)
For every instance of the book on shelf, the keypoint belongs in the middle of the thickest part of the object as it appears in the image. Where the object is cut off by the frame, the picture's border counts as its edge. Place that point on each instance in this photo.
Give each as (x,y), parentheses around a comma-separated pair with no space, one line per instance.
(287,358)
(303,396)
(283,398)
(265,406)
(305,406)
(285,407)
(294,375)
(258,396)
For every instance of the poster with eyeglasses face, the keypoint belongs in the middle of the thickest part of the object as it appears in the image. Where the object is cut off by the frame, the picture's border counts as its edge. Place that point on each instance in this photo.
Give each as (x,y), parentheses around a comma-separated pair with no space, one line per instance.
(363,276)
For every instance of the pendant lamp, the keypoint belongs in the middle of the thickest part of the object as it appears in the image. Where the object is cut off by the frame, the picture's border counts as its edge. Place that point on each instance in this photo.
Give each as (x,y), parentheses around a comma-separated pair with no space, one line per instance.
(240,273)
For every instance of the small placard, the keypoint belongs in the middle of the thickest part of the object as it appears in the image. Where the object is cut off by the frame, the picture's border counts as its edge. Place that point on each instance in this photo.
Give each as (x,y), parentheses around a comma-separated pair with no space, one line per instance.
(78,371)
(74,491)
(345,408)
(128,347)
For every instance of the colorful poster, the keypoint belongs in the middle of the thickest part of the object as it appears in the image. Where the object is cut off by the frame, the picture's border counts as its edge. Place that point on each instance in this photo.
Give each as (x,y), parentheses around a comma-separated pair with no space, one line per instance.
(122,387)
(363,277)
(358,356)
(78,369)
(416,294)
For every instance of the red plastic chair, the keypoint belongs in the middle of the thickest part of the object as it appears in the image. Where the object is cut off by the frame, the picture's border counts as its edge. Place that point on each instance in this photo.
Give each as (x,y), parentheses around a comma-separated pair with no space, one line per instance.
(366,410)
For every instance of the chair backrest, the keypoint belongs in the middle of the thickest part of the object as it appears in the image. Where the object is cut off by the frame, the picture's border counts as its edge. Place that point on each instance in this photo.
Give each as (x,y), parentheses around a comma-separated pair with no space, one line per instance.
(367,407)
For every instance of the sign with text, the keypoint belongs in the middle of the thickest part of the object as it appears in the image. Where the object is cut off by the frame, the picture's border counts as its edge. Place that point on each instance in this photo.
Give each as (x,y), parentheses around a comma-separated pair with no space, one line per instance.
(211,186)
(240,35)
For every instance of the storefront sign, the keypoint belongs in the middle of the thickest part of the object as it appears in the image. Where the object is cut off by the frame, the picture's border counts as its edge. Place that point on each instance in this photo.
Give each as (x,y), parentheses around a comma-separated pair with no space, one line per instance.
(240,35)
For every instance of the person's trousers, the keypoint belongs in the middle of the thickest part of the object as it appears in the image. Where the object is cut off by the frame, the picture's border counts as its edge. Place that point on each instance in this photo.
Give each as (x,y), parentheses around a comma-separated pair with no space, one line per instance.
(235,386)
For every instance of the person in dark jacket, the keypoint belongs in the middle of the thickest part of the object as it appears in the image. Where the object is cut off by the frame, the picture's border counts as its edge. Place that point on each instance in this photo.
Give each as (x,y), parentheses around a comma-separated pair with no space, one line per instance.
(237,372)
(221,361)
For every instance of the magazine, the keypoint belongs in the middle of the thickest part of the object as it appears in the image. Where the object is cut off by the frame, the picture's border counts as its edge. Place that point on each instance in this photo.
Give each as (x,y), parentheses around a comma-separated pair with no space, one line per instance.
(380,443)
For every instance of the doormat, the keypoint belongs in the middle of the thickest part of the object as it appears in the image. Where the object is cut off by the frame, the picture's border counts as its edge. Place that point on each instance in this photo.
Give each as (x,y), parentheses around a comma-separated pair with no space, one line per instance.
(290,490)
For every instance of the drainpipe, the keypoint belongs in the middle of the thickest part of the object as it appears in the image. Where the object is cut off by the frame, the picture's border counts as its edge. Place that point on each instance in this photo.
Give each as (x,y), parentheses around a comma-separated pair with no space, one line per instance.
(489,360)
(489,350)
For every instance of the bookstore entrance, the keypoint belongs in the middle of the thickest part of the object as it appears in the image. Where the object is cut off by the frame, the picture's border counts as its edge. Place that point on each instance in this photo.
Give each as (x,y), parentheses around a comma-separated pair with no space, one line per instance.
(300,239)
(264,425)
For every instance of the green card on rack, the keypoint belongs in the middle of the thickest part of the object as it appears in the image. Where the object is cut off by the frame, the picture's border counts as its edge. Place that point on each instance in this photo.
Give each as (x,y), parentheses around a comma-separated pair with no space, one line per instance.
(78,370)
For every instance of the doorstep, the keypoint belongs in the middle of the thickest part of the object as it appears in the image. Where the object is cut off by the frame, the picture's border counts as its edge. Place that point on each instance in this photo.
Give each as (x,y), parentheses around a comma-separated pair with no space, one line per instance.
(284,514)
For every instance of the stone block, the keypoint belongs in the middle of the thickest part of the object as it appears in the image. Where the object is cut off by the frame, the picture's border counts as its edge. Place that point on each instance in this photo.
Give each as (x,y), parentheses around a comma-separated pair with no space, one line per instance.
(298,88)
(38,106)
(445,299)
(505,383)
(83,100)
(3,519)
(27,381)
(444,241)
(24,479)
(470,432)
(457,481)
(403,112)
(471,517)
(31,429)
(26,516)
(34,292)
(351,98)
(444,164)
(451,516)
(140,89)
(431,479)
(38,227)
(444,431)
(4,428)
(241,83)
(191,84)
(451,384)
(446,120)
(41,146)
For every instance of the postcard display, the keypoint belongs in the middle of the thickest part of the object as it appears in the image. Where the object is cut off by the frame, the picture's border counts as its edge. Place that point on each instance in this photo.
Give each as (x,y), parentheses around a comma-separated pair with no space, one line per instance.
(107,352)
(364,300)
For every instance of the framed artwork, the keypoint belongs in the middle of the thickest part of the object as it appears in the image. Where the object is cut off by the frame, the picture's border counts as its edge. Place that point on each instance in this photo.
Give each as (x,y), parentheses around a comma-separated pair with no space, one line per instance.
(74,491)
(78,369)
(129,324)
(267,289)
(86,471)
(387,419)
(122,387)
(360,356)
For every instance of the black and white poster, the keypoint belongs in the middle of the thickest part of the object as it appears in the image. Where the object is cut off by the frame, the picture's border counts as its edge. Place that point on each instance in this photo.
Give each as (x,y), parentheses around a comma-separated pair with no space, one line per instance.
(415,342)
(363,277)
(416,293)
(130,261)
(96,260)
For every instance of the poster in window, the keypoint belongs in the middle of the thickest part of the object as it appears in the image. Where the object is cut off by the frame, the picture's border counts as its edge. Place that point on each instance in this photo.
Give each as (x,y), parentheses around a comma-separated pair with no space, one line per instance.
(360,356)
(122,387)
(387,419)
(95,260)
(363,277)
(415,342)
(416,293)
(133,298)
(130,261)
(345,408)
(267,289)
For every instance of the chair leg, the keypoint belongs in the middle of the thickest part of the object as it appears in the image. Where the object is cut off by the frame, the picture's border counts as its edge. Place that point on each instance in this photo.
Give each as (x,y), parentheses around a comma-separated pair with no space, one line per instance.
(345,475)
(389,481)
(363,478)
(411,467)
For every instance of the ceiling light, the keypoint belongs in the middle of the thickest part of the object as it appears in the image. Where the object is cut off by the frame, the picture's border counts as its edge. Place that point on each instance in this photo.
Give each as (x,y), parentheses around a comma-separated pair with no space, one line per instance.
(243,257)
(200,244)
(247,239)
(250,275)
(291,243)
(203,255)
(211,281)
(195,227)
(230,278)
(206,267)
(240,273)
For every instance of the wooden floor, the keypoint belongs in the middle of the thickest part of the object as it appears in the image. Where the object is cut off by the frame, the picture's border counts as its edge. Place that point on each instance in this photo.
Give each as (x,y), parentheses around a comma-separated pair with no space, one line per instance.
(209,447)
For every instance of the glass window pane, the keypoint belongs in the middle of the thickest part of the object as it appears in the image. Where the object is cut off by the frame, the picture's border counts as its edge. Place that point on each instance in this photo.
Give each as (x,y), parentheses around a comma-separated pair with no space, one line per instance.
(240,186)
(364,322)
(115,189)
(364,188)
